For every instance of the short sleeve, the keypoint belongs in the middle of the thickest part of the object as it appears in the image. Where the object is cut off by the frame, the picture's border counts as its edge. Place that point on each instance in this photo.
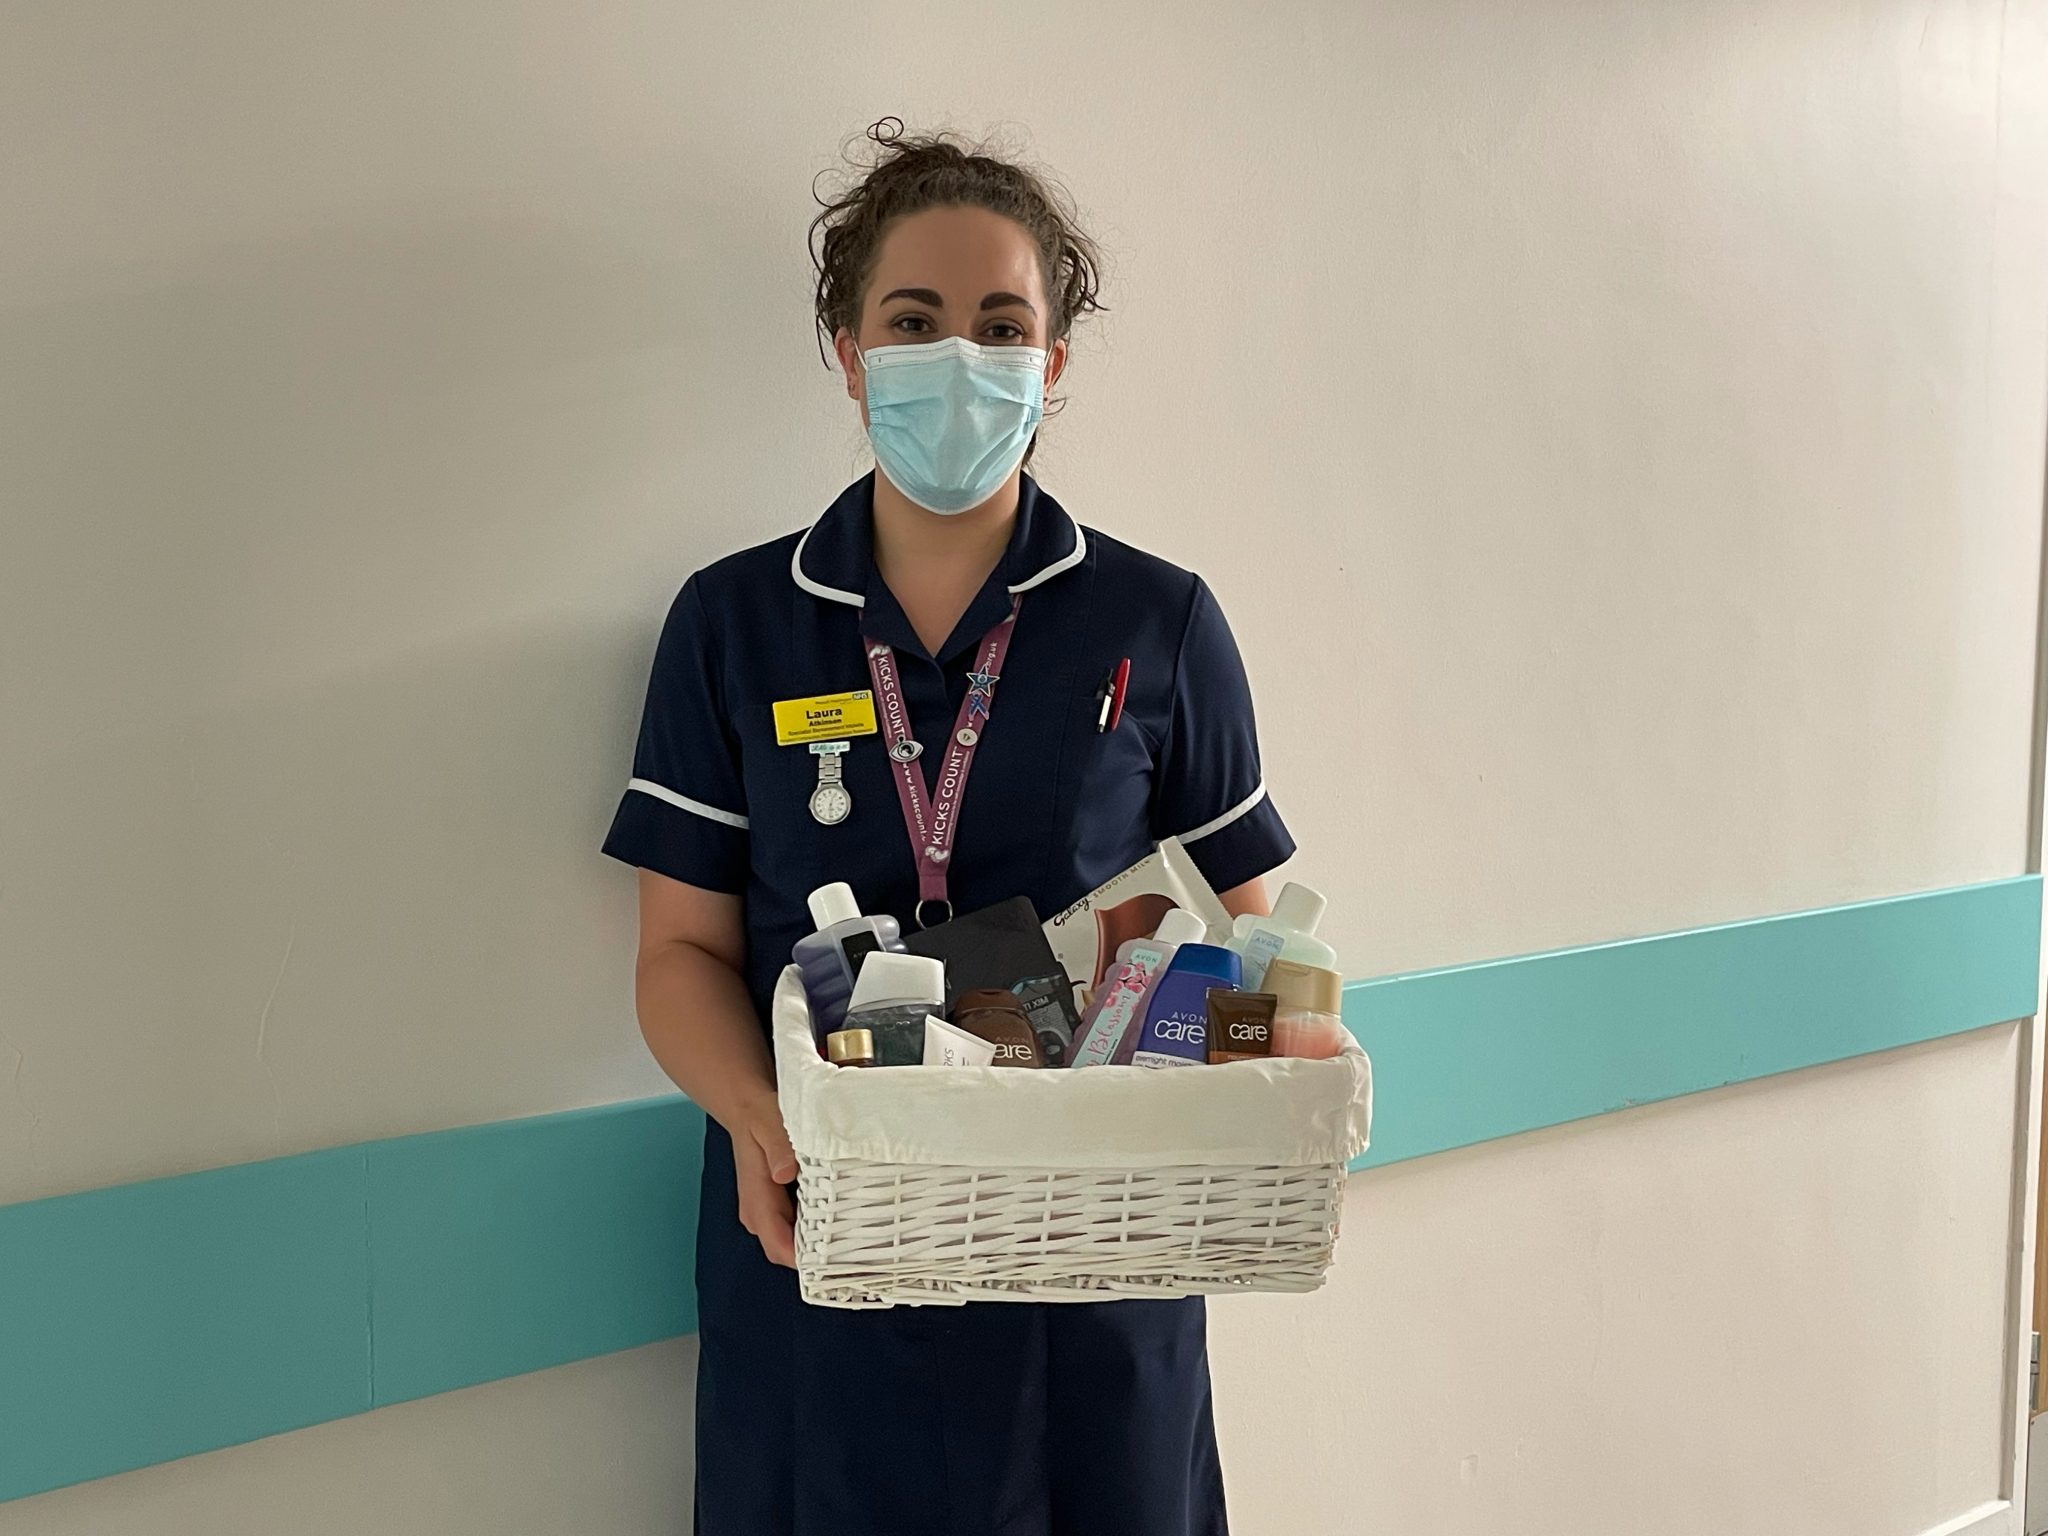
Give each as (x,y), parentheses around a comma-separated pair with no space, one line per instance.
(1211,792)
(684,810)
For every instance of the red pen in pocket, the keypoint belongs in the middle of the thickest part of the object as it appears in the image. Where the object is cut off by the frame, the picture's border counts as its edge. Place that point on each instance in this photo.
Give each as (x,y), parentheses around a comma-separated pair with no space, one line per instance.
(1114,687)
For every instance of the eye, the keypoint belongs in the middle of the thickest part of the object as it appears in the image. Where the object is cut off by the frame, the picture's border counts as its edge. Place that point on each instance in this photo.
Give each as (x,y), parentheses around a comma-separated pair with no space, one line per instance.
(910,325)
(1005,330)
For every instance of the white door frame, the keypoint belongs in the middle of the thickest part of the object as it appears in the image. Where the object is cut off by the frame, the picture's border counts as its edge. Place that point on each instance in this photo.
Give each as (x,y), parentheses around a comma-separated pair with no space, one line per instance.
(2026,1512)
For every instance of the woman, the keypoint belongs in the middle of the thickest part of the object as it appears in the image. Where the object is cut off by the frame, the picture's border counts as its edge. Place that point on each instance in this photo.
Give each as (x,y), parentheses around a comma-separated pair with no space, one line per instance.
(947,284)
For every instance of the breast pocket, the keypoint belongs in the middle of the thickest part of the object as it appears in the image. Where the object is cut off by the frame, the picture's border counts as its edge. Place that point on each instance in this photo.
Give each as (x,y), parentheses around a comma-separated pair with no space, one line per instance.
(1106,788)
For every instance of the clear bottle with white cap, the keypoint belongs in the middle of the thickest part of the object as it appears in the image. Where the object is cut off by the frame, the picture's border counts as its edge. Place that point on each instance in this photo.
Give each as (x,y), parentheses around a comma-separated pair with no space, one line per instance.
(1289,934)
(893,997)
(831,958)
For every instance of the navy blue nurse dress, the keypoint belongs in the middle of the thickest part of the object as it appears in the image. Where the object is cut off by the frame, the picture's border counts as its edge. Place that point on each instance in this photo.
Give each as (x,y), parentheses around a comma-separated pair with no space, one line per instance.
(994,1419)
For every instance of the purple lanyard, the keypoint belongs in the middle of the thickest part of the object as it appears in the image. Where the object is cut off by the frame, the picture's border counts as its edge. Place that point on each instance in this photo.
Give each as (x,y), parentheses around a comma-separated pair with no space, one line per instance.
(933,819)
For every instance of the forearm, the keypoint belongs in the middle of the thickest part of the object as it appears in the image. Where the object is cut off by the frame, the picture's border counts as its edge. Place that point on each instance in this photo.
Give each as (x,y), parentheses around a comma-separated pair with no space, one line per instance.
(1249,897)
(701,1026)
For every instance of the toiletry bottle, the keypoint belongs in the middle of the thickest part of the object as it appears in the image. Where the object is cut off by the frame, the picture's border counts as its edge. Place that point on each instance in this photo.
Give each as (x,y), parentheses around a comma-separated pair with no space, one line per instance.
(1109,1029)
(996,1016)
(891,997)
(1240,1025)
(1048,1002)
(850,1048)
(831,957)
(1310,1020)
(1288,934)
(1176,1032)
(948,1045)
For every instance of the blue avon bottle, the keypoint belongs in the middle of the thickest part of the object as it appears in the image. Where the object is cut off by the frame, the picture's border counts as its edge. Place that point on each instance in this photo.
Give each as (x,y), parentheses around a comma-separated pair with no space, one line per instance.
(1176,1032)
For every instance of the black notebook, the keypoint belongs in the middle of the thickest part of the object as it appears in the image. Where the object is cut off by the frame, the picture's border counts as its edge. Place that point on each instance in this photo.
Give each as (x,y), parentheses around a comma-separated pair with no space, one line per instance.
(1003,947)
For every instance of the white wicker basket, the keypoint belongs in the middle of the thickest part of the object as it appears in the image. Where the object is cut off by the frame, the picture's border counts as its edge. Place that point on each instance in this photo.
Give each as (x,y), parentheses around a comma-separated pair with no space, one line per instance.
(947,1185)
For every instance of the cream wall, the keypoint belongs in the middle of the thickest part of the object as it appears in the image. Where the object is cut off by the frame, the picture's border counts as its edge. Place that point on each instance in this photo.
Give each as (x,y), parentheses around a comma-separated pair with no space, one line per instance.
(1615,432)
(1778,1309)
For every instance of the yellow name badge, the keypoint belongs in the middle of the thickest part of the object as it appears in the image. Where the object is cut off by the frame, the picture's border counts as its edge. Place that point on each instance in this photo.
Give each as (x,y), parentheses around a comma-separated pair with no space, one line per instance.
(829,717)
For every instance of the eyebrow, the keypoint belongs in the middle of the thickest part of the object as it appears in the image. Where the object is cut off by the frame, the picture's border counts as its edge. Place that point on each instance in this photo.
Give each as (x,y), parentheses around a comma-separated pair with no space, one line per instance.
(930,296)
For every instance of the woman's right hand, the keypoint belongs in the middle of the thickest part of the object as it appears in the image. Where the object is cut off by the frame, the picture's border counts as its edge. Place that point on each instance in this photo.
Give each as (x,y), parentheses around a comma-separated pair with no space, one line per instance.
(701,1026)
(764,1165)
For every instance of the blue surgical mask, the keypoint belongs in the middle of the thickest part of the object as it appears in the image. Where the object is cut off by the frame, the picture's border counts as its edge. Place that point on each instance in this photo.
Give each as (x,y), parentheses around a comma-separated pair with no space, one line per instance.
(950,419)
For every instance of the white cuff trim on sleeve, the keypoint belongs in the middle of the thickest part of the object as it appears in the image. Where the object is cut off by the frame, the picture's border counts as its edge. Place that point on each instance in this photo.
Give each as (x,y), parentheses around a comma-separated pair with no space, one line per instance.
(695,807)
(1243,807)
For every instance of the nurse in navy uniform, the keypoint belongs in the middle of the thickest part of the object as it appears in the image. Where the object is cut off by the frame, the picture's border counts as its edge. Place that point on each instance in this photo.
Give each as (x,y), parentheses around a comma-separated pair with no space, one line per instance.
(948,282)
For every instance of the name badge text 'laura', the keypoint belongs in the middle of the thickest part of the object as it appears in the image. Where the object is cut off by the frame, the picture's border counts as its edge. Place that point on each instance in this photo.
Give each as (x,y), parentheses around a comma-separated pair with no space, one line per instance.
(828,717)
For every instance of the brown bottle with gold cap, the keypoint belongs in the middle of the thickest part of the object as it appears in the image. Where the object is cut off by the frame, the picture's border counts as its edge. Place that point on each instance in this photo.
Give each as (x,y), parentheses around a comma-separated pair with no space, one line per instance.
(850,1048)
(996,1016)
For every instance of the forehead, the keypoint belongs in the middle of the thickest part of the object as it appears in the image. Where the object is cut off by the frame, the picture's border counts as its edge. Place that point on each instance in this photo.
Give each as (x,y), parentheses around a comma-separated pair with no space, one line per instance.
(961,252)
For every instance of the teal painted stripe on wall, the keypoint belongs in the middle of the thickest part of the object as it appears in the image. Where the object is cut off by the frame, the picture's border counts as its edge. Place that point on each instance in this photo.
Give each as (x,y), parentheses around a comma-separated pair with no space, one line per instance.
(150,1321)
(159,1319)
(1514,1045)
(505,1248)
(155,1320)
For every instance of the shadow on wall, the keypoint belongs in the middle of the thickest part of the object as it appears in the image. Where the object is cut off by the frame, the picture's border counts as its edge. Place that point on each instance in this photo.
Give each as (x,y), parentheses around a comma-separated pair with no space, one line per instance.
(333,580)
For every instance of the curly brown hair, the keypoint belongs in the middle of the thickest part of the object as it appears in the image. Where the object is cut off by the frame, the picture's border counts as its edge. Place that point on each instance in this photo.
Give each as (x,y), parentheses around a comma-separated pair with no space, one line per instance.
(908,173)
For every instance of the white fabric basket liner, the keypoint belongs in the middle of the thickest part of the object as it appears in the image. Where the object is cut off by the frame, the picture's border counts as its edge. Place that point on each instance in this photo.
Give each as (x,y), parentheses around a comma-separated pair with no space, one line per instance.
(1282,1113)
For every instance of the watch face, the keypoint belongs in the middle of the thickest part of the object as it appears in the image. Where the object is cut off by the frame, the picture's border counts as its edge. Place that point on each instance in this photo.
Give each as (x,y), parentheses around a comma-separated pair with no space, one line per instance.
(830,803)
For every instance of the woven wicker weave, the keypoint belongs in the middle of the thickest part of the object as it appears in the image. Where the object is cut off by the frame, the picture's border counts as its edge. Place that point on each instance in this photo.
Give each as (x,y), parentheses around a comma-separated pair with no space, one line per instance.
(947,1218)
(874,1234)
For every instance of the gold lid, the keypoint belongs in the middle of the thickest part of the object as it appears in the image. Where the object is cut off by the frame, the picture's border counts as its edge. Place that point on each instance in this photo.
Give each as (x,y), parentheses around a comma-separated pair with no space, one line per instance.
(1306,988)
(844,1045)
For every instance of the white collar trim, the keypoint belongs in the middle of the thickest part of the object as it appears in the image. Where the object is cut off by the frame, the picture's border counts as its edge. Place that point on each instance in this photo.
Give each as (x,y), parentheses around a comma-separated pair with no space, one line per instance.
(859,600)
(1079,553)
(816,589)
